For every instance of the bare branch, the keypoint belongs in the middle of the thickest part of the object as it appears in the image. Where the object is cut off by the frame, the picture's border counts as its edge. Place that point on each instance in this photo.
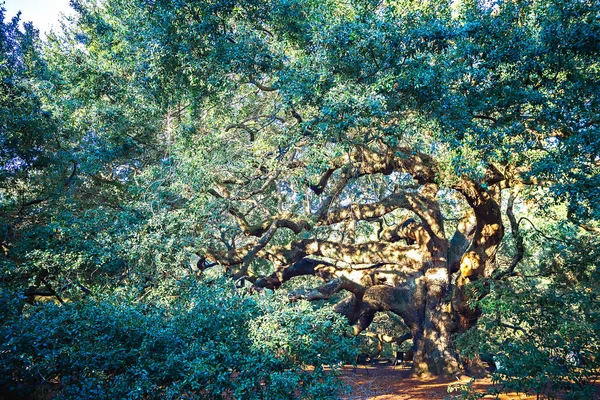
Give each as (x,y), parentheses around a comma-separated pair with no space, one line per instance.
(335,286)
(269,181)
(520,247)
(363,253)
(341,183)
(243,126)
(542,233)
(589,228)
(365,161)
(67,183)
(303,267)
(262,87)
(252,253)
(320,187)
(369,212)
(488,118)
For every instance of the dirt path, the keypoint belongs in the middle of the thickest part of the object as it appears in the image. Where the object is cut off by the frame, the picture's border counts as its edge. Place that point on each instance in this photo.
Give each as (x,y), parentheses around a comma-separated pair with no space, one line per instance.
(385,382)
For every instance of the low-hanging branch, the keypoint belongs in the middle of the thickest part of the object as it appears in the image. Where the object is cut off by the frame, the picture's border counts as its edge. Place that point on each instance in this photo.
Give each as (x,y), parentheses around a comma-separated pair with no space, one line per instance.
(332,287)
(363,253)
(304,267)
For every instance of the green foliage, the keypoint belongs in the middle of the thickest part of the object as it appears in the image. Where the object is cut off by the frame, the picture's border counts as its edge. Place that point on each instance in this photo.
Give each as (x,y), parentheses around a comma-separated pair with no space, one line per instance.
(543,326)
(465,391)
(30,162)
(205,339)
(113,131)
(66,160)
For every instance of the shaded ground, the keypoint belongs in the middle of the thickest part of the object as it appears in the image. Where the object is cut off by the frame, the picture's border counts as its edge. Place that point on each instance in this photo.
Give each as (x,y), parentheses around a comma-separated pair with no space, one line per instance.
(384,382)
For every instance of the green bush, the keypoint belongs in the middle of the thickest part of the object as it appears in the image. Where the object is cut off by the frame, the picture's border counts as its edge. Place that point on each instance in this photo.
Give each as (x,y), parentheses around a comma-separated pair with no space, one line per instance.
(208,341)
(539,348)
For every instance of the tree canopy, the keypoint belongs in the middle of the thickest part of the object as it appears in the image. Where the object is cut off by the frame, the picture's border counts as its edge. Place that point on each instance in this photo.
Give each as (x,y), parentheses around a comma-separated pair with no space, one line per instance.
(435,160)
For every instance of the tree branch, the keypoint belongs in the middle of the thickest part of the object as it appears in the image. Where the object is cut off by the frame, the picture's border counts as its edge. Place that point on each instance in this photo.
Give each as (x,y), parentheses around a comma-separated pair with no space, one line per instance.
(478,116)
(262,87)
(332,287)
(589,228)
(365,161)
(264,240)
(363,253)
(303,267)
(518,238)
(461,240)
(42,199)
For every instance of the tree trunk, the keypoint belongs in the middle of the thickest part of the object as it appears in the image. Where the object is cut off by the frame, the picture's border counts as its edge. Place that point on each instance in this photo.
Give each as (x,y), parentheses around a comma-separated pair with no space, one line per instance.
(434,353)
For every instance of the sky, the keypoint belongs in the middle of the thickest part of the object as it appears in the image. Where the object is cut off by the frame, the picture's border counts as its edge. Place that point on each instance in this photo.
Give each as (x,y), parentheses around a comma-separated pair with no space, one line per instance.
(43,13)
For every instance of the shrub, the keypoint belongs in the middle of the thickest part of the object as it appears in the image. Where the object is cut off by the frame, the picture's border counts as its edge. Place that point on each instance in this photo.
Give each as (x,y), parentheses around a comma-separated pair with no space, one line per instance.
(208,340)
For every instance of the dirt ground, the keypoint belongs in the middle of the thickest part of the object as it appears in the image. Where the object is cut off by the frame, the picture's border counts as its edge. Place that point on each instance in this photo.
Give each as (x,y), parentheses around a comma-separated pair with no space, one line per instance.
(385,382)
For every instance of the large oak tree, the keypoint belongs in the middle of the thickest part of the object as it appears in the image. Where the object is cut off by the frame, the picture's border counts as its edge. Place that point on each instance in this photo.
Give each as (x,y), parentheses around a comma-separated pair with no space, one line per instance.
(340,116)
(377,145)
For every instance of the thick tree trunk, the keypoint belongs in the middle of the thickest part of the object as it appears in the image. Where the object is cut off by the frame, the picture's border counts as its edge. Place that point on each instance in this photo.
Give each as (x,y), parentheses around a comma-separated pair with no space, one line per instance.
(434,353)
